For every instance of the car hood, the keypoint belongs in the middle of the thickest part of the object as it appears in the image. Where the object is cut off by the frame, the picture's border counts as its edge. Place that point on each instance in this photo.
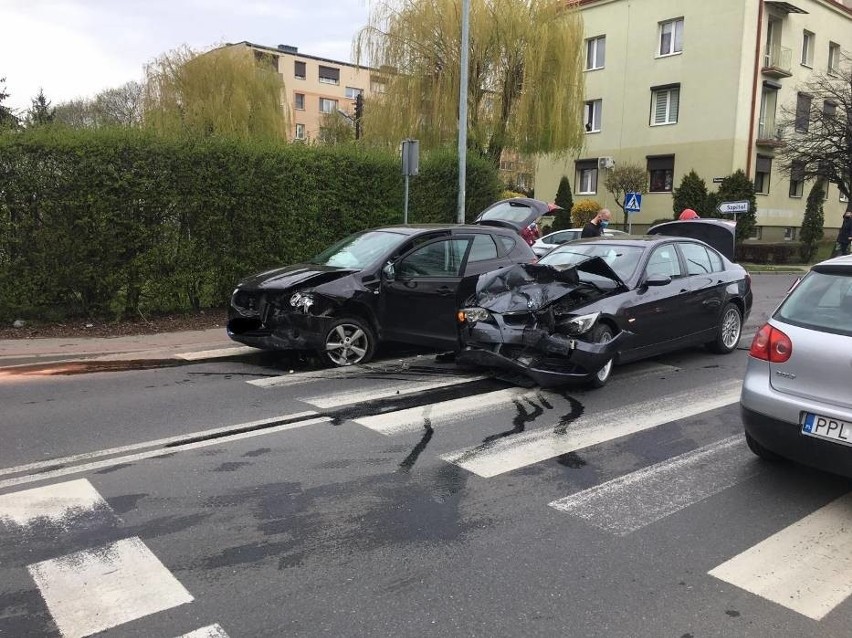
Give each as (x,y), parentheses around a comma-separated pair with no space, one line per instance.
(295,275)
(531,287)
(517,212)
(718,233)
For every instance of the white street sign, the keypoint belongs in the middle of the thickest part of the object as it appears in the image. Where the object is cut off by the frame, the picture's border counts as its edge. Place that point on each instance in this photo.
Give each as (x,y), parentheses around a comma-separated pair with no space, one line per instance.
(733,207)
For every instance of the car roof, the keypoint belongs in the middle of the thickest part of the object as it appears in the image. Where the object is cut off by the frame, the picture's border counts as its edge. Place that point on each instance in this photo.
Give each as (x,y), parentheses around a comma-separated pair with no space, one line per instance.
(844,262)
(416,229)
(628,240)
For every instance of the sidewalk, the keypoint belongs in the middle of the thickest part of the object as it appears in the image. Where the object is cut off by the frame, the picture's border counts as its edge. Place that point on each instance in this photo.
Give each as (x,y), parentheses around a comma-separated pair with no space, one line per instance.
(191,345)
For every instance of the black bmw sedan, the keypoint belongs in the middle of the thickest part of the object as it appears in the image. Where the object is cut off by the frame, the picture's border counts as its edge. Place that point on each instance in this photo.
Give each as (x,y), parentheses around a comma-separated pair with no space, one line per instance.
(594,303)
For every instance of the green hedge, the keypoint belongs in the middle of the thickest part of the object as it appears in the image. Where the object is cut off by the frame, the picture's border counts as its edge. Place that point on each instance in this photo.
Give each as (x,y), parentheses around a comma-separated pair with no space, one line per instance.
(105,223)
(780,253)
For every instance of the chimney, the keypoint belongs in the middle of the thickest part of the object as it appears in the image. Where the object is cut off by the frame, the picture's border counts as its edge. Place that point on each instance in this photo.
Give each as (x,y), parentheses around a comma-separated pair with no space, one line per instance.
(286,48)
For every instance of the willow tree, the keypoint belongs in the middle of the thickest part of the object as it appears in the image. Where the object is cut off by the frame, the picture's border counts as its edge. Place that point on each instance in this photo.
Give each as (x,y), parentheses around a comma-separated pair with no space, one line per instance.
(226,91)
(525,74)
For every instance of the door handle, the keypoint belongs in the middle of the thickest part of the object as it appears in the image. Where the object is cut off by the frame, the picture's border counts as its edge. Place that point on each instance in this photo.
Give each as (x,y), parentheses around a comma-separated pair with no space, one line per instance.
(444,290)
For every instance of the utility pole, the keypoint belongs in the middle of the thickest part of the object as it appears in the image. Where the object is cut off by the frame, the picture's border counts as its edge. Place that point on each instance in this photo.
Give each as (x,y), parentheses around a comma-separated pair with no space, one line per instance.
(463,82)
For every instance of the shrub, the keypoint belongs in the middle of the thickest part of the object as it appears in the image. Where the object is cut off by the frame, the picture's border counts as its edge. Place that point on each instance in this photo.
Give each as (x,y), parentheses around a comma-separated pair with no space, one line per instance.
(780,253)
(812,223)
(584,211)
(737,187)
(692,193)
(565,200)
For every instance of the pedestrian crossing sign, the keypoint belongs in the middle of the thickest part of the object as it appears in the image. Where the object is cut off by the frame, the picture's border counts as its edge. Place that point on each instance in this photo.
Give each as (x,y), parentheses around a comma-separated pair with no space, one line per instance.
(633,202)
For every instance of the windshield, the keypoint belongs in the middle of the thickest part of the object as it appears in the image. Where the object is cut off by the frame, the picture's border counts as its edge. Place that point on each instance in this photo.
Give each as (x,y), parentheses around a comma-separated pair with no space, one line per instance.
(822,301)
(508,212)
(360,250)
(622,259)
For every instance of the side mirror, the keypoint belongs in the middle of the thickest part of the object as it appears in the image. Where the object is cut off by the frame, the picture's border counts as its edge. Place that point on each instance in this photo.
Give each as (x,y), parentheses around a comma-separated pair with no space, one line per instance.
(658,280)
(389,271)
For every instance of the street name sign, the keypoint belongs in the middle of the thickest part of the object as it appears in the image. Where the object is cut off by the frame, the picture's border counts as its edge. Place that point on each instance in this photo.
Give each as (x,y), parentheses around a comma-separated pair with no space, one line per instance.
(733,207)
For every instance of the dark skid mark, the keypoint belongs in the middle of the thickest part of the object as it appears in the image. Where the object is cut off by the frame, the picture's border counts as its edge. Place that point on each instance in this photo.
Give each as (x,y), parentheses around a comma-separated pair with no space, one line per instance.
(231,466)
(732,613)
(572,460)
(409,461)
(125,503)
(24,613)
(258,452)
(577,410)
(114,468)
(228,375)
(167,455)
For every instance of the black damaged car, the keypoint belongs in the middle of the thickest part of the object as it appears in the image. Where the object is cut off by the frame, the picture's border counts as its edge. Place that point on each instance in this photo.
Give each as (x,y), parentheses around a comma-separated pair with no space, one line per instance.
(401,283)
(594,303)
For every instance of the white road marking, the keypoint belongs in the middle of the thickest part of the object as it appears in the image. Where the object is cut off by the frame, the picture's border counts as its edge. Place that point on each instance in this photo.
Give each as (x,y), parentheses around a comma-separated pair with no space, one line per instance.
(514,452)
(623,505)
(412,419)
(345,372)
(52,502)
(132,458)
(157,443)
(215,354)
(386,391)
(806,567)
(93,590)
(211,631)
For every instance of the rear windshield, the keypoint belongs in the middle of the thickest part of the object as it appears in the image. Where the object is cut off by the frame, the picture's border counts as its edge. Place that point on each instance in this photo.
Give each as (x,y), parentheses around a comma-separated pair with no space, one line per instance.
(360,250)
(822,301)
(622,259)
(508,212)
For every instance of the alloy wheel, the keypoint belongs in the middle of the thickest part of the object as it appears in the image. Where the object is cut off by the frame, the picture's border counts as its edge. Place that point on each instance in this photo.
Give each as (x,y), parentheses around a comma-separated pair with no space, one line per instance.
(731,328)
(346,344)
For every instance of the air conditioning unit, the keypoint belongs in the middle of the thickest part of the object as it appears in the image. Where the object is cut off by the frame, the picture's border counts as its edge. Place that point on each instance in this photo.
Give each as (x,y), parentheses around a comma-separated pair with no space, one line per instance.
(606,162)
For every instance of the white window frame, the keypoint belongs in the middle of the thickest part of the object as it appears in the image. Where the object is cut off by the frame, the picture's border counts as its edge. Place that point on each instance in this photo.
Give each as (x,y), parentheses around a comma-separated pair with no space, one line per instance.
(656,95)
(843,199)
(592,115)
(595,48)
(352,92)
(790,233)
(675,40)
(327,80)
(296,101)
(300,132)
(327,100)
(808,39)
(587,181)
(833,58)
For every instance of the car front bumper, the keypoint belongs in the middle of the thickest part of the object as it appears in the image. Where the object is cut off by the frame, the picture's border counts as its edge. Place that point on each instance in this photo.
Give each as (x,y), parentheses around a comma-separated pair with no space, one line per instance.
(285,331)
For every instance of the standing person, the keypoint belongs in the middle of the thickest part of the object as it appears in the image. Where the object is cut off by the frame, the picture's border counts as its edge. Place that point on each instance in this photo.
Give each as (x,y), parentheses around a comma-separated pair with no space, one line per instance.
(688,213)
(844,237)
(596,227)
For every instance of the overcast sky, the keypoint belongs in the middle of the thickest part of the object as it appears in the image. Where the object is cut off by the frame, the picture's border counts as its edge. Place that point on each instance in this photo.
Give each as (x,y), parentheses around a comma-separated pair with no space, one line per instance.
(76,48)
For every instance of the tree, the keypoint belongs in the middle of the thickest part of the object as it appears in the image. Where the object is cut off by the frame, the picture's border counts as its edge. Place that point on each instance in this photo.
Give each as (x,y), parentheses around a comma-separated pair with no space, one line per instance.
(584,211)
(812,223)
(335,128)
(120,106)
(692,193)
(40,113)
(737,187)
(819,130)
(525,75)
(626,178)
(565,200)
(226,91)
(8,119)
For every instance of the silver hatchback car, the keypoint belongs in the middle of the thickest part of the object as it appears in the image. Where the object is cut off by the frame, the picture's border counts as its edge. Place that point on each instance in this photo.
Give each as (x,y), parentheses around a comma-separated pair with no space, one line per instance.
(796,400)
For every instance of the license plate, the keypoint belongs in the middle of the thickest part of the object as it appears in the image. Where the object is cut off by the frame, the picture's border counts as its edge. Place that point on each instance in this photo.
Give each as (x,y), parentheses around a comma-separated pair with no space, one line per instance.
(828,428)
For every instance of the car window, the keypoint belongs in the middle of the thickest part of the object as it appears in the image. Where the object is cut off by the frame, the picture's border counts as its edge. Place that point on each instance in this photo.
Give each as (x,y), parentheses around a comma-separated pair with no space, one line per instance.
(663,262)
(562,237)
(508,244)
(716,260)
(360,250)
(508,211)
(622,259)
(822,301)
(438,259)
(483,248)
(697,259)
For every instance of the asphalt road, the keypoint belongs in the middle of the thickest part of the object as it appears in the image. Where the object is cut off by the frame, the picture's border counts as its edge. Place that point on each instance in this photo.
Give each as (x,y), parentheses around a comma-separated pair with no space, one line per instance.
(238,498)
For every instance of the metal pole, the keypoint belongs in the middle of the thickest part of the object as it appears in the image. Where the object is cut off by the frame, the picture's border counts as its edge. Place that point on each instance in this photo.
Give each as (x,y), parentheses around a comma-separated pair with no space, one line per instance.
(463,82)
(405,208)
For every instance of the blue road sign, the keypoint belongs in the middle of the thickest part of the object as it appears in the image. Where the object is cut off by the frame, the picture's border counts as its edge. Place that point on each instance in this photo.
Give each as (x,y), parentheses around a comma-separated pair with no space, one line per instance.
(633,202)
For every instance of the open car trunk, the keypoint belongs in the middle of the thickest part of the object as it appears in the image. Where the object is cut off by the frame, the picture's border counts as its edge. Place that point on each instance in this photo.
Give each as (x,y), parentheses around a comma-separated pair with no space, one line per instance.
(718,233)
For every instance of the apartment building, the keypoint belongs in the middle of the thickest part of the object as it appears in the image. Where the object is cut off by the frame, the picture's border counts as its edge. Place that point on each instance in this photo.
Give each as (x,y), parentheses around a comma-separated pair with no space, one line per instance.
(316,86)
(676,85)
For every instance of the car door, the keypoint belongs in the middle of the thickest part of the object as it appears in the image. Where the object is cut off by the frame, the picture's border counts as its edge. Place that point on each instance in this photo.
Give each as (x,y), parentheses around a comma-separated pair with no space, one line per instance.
(418,303)
(706,289)
(656,313)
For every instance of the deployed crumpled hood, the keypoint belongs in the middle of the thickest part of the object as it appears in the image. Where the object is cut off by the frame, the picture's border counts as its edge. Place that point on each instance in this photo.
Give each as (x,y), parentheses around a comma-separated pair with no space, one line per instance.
(295,275)
(527,287)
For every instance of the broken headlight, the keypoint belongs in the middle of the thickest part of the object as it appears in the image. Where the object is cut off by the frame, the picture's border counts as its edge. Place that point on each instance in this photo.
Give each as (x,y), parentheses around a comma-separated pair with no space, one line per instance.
(302,301)
(472,315)
(581,324)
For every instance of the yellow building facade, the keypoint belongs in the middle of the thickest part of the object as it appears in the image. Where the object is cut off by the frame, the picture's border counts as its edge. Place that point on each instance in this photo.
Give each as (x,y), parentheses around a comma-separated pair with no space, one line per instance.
(677,85)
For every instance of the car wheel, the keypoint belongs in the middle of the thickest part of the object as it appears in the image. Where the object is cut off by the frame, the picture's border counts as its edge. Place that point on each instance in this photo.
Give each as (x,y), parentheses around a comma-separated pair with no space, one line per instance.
(349,341)
(729,331)
(762,452)
(600,334)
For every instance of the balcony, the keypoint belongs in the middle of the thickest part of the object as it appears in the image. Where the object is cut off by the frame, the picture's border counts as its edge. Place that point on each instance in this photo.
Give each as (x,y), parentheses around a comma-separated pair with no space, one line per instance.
(777,62)
(770,135)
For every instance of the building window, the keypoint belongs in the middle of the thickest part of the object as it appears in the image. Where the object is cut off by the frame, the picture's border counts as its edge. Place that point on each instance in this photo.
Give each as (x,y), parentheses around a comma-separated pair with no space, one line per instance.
(797,179)
(829,109)
(300,131)
(761,174)
(790,233)
(803,112)
(327,105)
(587,177)
(807,48)
(352,93)
(671,37)
(595,53)
(757,235)
(661,174)
(665,104)
(300,101)
(329,75)
(592,116)
(299,70)
(844,198)
(377,86)
(833,58)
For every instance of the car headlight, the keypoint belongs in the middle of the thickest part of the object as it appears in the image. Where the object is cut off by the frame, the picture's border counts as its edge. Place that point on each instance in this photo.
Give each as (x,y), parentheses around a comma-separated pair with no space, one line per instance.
(472,315)
(581,324)
(302,301)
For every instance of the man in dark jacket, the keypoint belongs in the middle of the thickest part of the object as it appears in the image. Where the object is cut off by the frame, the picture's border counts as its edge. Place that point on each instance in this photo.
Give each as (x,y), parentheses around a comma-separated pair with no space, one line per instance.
(596,227)
(844,237)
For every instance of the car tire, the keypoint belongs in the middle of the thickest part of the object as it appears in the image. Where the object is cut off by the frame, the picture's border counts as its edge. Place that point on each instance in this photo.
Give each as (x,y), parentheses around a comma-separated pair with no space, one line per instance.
(762,452)
(348,341)
(729,331)
(602,332)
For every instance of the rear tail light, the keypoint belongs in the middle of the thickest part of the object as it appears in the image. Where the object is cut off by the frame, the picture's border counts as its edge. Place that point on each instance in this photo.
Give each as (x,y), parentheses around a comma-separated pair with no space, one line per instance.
(770,344)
